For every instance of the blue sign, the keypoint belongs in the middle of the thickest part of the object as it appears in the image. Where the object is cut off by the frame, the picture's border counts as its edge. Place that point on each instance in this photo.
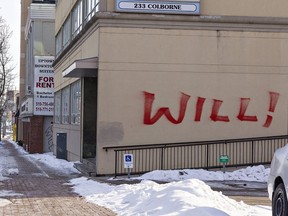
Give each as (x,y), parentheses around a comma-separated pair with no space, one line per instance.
(128,160)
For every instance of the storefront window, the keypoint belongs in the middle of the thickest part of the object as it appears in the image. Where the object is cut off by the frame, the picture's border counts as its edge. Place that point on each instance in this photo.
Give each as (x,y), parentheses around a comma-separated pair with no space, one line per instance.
(66,105)
(57,113)
(75,102)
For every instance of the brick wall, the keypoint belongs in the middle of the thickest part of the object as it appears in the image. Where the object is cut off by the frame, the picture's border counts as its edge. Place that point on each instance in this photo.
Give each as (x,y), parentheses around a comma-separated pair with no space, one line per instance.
(33,134)
(26,133)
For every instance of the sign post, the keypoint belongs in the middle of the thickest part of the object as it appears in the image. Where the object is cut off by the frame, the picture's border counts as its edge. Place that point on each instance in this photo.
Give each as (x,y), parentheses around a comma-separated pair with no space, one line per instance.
(224,159)
(128,162)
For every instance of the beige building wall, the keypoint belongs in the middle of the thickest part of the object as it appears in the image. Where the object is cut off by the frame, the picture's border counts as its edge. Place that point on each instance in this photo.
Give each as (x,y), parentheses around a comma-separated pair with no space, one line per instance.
(73,140)
(259,8)
(214,65)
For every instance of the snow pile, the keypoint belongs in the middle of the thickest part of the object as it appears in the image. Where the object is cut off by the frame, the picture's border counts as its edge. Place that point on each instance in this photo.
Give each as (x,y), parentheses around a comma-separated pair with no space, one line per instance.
(255,173)
(188,197)
(50,160)
(13,171)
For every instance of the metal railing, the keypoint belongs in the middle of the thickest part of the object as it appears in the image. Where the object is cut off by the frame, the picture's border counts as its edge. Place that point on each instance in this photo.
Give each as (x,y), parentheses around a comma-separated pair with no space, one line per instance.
(196,155)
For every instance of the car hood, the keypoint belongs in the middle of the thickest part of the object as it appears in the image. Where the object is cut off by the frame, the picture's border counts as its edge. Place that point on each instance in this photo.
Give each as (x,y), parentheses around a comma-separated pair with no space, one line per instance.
(279,161)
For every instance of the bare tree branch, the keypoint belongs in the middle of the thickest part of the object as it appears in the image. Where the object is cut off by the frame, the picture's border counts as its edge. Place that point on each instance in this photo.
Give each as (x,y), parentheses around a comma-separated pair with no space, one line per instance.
(6,66)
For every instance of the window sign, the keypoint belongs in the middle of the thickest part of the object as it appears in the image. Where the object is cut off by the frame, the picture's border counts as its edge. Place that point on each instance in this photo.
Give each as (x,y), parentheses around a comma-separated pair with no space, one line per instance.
(181,7)
(43,85)
(27,107)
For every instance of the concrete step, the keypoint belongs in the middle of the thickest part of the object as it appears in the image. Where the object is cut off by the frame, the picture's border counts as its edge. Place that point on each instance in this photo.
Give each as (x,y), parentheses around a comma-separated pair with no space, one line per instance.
(86,168)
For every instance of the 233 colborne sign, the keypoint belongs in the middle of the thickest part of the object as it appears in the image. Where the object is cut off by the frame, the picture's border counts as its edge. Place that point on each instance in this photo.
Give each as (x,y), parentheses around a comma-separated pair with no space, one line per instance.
(179,7)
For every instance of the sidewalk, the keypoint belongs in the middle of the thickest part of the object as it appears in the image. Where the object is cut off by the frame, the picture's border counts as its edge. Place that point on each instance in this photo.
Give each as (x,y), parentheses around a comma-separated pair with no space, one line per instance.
(39,190)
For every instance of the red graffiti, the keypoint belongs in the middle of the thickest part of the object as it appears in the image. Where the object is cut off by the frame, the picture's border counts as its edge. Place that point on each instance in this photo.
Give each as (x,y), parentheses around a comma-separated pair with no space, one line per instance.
(215,110)
(199,108)
(243,107)
(164,111)
(149,98)
(274,96)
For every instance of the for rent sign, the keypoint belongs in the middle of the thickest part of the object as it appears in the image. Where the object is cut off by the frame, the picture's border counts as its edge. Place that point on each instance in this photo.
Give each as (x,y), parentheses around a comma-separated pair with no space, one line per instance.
(179,7)
(43,85)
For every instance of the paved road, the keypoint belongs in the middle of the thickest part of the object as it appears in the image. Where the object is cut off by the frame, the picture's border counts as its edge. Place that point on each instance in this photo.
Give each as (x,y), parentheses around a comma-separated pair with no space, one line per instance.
(39,190)
(252,193)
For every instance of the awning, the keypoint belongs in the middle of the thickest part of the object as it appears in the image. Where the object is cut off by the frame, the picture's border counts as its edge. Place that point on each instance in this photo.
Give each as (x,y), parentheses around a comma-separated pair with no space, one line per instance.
(82,68)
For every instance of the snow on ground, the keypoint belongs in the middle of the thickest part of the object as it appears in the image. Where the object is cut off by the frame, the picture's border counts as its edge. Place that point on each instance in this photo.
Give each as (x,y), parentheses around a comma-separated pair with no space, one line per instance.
(188,197)
(256,173)
(2,162)
(4,193)
(13,171)
(185,194)
(51,160)
(4,202)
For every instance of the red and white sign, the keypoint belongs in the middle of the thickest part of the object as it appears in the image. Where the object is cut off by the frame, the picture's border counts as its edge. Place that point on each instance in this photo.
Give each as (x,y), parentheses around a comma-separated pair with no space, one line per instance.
(43,85)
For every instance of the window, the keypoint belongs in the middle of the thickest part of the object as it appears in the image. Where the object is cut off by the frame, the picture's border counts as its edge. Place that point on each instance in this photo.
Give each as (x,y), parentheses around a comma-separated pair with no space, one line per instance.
(77,19)
(82,12)
(58,43)
(68,97)
(75,102)
(66,105)
(91,7)
(57,112)
(66,32)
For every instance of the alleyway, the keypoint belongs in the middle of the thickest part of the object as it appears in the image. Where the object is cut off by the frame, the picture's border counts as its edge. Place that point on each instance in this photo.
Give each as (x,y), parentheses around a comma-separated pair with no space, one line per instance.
(39,190)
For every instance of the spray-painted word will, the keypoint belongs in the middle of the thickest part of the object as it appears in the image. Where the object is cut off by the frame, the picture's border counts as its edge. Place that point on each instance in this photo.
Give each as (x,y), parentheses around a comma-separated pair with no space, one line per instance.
(214,116)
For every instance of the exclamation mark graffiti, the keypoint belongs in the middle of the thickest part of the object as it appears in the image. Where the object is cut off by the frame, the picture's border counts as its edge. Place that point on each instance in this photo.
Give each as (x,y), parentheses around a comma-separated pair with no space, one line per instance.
(273,102)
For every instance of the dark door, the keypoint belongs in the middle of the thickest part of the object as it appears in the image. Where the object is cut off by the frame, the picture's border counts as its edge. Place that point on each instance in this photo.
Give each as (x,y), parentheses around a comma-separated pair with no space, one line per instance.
(89,116)
(61,152)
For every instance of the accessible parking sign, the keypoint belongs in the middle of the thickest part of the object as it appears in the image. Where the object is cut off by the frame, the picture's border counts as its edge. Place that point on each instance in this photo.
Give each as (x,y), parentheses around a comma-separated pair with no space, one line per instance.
(128,160)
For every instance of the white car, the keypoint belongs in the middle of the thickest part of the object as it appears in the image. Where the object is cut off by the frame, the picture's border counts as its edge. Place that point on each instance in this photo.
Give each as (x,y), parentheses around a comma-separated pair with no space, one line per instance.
(278,182)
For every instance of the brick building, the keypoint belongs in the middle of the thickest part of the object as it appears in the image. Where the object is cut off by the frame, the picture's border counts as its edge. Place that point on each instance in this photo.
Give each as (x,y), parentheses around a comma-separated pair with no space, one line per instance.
(36,76)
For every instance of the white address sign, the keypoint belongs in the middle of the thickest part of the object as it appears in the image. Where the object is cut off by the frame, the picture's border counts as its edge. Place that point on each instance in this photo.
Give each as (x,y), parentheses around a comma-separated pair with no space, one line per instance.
(184,7)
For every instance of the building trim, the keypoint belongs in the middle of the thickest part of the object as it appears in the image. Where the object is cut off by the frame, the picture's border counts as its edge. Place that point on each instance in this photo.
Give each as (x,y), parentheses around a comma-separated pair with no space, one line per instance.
(39,11)
(82,68)
(156,21)
(193,22)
